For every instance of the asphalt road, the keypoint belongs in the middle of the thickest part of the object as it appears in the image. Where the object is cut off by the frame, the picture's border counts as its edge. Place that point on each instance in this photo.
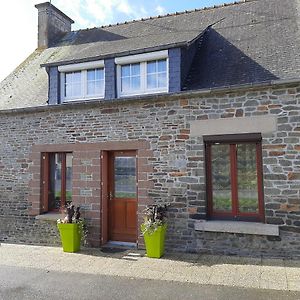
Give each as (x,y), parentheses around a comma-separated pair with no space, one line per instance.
(24,283)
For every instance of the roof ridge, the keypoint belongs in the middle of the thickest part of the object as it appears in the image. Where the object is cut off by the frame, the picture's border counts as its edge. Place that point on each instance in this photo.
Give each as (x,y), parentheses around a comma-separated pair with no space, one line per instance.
(169,14)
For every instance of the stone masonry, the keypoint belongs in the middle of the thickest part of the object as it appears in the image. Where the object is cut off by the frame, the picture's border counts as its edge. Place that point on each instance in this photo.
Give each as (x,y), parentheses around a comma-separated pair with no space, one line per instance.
(170,163)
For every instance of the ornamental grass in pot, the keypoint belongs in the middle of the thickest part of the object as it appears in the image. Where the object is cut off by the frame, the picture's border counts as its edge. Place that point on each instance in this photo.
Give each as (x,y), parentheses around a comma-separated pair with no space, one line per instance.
(154,229)
(72,229)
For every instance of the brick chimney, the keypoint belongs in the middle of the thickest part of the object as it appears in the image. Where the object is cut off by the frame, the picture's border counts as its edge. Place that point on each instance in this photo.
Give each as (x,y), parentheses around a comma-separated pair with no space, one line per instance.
(52,24)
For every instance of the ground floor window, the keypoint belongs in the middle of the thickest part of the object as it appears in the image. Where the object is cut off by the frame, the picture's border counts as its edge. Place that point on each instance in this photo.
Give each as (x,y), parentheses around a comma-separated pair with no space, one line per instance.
(234,177)
(56,180)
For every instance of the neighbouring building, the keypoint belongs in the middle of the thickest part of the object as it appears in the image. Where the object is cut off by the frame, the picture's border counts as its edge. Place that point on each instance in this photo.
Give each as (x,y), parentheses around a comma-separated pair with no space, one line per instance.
(199,109)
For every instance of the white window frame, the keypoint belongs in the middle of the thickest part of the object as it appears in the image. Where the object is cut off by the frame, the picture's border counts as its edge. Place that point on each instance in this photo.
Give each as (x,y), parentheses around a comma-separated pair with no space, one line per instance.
(83,68)
(142,59)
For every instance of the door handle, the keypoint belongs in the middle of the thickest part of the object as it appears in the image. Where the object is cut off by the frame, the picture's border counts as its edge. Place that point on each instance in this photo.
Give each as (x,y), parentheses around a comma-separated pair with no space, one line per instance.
(110,196)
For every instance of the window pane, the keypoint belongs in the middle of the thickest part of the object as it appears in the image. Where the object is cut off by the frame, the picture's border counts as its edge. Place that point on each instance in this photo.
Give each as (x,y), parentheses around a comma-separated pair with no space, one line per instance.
(247,178)
(135,69)
(125,177)
(69,158)
(125,82)
(76,91)
(151,81)
(99,87)
(151,67)
(68,91)
(99,74)
(73,84)
(135,83)
(91,88)
(90,75)
(162,80)
(125,70)
(68,77)
(77,77)
(55,181)
(162,65)
(56,200)
(221,182)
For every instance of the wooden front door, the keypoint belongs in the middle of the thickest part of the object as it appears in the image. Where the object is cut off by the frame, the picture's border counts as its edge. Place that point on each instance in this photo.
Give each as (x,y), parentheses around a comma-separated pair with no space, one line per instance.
(122,196)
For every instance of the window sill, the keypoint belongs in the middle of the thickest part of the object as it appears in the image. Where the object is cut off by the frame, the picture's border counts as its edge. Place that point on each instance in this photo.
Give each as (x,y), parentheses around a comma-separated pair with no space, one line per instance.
(81,99)
(237,227)
(50,217)
(143,93)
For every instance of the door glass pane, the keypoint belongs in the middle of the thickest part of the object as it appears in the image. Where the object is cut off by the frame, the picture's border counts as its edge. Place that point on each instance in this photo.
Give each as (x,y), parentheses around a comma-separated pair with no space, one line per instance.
(69,158)
(55,181)
(125,177)
(247,178)
(221,182)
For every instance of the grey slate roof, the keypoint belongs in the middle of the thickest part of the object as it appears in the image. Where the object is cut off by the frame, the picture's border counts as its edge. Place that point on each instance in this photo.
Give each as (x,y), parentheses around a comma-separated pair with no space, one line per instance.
(253,41)
(257,41)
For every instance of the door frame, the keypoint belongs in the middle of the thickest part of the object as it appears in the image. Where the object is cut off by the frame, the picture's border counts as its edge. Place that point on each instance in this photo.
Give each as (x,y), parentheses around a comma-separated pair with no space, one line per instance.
(106,177)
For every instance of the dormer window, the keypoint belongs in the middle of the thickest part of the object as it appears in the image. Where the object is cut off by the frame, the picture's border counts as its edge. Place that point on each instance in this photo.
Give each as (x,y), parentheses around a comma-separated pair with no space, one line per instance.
(142,74)
(82,81)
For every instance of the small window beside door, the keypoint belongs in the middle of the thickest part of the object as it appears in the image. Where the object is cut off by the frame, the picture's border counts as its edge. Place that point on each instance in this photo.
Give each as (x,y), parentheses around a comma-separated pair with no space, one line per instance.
(56,181)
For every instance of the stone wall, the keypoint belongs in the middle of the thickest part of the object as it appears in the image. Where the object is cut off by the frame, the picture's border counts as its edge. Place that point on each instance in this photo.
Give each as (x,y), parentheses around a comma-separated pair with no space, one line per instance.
(173,168)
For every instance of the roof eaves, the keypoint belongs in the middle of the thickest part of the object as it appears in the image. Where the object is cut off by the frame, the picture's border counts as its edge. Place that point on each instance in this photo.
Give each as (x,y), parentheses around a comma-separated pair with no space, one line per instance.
(170,96)
(125,53)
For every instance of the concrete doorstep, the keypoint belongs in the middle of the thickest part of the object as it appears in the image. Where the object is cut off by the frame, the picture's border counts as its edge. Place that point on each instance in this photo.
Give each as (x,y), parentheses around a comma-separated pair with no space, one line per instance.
(245,272)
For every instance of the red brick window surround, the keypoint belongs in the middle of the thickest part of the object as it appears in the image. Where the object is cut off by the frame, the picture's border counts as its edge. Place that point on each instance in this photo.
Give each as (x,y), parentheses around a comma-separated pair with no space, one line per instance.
(87,179)
(234,177)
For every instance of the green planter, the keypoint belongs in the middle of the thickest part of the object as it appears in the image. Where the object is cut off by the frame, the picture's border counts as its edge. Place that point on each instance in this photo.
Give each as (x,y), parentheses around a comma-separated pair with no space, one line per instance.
(70,236)
(155,242)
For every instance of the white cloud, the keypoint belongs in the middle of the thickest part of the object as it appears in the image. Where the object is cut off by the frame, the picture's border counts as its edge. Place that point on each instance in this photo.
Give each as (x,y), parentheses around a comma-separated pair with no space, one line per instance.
(105,11)
(73,9)
(18,31)
(160,10)
(125,8)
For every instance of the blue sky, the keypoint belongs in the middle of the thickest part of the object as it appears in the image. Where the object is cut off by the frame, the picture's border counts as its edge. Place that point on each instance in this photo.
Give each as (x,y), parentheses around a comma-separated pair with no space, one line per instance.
(90,13)
(19,38)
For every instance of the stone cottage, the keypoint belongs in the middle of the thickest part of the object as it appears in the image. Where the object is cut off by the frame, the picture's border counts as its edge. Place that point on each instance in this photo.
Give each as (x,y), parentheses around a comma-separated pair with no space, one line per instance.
(198,109)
